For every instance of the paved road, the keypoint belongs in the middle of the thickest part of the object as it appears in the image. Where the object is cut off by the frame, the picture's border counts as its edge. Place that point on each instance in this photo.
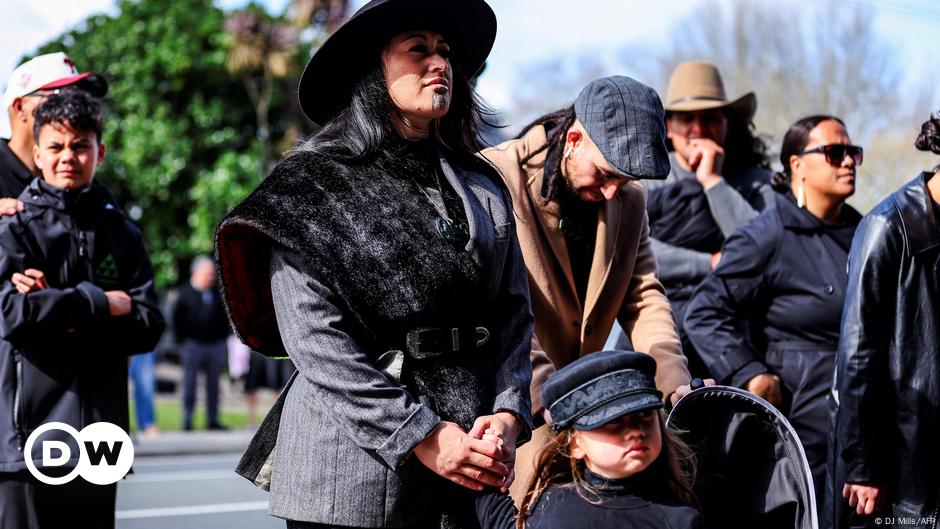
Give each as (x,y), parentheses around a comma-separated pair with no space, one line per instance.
(191,492)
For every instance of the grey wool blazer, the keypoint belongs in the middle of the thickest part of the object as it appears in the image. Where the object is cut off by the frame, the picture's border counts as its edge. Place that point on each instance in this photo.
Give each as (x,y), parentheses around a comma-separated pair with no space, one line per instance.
(336,447)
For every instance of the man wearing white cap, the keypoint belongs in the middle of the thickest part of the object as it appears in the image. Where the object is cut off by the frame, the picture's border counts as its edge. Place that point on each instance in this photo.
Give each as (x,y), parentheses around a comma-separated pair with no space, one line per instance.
(29,85)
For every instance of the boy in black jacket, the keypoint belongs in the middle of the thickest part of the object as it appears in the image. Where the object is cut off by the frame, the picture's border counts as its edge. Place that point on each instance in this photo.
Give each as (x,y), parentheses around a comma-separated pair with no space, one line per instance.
(76,298)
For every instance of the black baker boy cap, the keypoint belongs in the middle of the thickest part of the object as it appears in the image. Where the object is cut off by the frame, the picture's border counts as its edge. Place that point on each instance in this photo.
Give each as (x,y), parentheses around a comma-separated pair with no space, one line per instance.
(601,387)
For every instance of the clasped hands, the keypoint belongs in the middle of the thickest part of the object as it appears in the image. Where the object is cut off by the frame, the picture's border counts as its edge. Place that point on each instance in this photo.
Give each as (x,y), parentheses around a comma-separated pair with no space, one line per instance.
(482,457)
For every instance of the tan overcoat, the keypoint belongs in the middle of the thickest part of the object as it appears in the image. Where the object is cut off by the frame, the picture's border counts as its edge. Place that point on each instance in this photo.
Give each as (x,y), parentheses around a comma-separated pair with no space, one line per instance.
(622,282)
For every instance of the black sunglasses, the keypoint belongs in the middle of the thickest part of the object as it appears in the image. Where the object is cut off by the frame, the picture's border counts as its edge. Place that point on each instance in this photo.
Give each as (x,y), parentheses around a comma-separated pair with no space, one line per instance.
(836,152)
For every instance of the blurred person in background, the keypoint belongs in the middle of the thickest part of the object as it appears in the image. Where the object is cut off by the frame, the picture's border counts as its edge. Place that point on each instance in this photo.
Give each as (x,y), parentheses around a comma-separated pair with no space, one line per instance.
(201,327)
(141,372)
(767,318)
(264,373)
(719,180)
(886,394)
(28,86)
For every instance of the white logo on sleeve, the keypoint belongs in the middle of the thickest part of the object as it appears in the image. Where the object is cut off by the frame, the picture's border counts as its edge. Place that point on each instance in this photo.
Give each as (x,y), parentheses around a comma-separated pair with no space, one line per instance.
(105,453)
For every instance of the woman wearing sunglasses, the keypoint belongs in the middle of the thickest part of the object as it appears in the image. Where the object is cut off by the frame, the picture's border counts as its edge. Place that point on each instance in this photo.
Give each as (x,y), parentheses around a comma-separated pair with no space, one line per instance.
(767,318)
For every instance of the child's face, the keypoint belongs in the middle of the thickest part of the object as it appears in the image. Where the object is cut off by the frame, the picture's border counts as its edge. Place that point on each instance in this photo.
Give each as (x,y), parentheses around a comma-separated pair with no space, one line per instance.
(67,157)
(622,447)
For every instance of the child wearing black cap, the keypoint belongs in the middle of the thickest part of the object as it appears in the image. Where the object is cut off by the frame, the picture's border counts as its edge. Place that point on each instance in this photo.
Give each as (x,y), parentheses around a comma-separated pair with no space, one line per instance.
(611,461)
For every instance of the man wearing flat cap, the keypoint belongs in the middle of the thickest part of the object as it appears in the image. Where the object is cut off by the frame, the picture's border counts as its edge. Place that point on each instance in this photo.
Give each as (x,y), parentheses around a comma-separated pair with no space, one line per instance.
(27,88)
(719,179)
(581,220)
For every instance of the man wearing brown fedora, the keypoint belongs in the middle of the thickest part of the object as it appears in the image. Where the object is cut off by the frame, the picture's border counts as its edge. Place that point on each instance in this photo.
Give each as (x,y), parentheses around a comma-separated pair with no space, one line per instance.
(719,180)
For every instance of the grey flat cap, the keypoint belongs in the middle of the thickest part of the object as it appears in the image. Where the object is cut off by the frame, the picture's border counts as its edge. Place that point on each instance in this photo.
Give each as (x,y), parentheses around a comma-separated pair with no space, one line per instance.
(625,119)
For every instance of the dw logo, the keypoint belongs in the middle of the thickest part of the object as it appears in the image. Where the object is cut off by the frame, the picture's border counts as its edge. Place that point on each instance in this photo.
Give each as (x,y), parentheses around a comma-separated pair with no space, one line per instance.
(105,453)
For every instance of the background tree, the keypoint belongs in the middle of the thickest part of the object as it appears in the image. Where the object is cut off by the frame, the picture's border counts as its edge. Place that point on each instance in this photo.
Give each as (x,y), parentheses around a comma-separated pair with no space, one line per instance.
(268,53)
(174,111)
(825,58)
(831,62)
(261,50)
(198,109)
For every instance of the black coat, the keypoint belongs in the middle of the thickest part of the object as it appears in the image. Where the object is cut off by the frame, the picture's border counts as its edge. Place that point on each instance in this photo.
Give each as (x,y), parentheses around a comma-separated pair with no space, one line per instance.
(63,357)
(195,319)
(783,274)
(14,176)
(631,503)
(773,305)
(887,387)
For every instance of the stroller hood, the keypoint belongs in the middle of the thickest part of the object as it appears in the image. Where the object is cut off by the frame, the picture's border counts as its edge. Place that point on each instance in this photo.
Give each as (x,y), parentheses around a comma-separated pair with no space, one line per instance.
(752,469)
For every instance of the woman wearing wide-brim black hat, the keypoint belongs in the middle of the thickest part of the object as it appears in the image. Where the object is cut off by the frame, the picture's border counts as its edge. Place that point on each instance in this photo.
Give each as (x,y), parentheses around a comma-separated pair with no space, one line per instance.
(380,256)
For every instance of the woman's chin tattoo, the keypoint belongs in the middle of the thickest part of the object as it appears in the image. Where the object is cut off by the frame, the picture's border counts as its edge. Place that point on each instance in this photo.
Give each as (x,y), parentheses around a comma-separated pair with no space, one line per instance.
(439,102)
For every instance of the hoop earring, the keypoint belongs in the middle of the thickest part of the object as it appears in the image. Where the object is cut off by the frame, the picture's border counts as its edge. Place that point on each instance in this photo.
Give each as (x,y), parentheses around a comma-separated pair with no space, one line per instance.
(800,195)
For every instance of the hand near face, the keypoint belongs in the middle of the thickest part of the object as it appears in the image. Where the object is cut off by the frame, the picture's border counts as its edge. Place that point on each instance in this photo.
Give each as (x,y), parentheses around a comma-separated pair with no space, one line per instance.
(10,206)
(31,280)
(767,387)
(706,158)
(863,497)
(467,461)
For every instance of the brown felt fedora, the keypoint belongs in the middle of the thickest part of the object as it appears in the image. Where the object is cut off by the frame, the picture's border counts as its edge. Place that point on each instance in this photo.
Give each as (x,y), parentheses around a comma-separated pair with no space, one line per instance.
(698,86)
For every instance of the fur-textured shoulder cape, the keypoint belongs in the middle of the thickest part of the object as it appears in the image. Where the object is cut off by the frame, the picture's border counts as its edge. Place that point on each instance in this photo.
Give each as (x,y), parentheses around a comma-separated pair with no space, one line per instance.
(368,234)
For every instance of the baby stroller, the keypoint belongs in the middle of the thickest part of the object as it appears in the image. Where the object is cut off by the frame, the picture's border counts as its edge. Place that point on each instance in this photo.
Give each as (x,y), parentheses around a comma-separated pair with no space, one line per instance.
(752,472)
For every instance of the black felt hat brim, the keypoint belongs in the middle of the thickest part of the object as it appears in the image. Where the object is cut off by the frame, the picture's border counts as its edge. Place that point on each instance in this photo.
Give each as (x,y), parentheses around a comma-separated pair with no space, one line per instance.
(469,26)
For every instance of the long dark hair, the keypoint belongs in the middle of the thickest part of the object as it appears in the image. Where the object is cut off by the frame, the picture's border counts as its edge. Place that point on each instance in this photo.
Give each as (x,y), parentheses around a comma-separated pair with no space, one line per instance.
(744,148)
(794,142)
(557,124)
(357,132)
(675,468)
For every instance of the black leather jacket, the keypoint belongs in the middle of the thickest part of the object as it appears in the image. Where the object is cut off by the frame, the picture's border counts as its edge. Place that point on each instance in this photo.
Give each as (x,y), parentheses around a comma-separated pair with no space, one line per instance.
(886,394)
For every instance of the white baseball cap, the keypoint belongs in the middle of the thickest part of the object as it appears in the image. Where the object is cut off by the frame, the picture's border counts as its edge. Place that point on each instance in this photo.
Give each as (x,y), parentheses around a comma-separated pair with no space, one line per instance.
(49,71)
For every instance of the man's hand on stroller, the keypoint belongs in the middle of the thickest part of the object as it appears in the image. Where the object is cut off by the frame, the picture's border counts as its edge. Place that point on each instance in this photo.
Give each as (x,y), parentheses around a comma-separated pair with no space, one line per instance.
(682,391)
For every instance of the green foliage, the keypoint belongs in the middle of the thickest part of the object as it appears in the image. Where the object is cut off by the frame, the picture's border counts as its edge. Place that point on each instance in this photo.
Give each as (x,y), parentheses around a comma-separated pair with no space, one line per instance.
(234,175)
(180,130)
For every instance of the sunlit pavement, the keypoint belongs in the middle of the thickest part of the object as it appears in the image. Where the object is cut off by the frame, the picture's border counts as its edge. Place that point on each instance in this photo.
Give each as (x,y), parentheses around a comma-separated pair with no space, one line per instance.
(195,491)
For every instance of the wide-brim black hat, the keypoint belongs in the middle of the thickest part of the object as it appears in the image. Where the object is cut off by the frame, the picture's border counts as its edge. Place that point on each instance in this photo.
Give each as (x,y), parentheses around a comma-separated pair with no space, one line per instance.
(326,84)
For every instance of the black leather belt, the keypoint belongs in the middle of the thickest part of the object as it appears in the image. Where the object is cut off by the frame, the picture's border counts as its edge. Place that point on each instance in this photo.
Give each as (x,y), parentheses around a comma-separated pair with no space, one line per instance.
(435,341)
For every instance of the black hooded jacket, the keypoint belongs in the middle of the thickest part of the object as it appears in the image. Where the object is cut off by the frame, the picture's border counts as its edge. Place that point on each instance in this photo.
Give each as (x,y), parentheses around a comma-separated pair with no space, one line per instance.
(63,357)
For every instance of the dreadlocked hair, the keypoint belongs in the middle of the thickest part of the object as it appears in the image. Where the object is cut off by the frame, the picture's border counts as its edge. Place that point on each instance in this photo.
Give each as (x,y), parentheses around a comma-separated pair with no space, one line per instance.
(675,468)
(558,123)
